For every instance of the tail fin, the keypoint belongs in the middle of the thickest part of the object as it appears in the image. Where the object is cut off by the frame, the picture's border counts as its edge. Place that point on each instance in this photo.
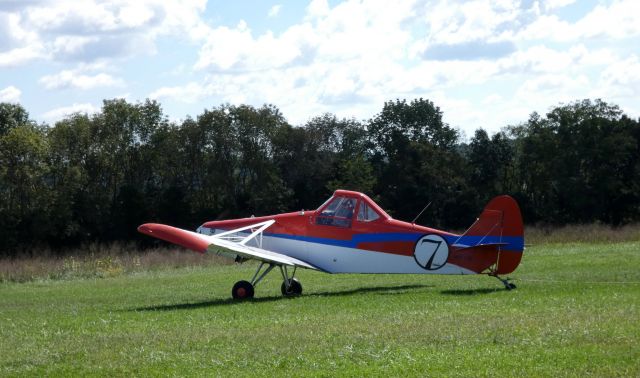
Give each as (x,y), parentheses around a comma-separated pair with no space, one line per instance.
(495,241)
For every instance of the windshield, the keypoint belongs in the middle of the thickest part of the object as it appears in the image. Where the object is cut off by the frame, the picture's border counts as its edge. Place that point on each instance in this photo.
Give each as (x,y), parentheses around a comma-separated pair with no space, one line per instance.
(338,212)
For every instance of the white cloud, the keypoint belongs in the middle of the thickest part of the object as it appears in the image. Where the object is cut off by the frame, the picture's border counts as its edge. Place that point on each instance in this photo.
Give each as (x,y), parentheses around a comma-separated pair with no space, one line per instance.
(492,99)
(13,33)
(69,45)
(559,86)
(189,93)
(18,45)
(95,29)
(350,58)
(484,62)
(317,9)
(10,94)
(530,62)
(620,80)
(554,4)
(57,114)
(356,53)
(618,20)
(237,49)
(75,79)
(369,31)
(541,59)
(459,22)
(18,56)
(275,10)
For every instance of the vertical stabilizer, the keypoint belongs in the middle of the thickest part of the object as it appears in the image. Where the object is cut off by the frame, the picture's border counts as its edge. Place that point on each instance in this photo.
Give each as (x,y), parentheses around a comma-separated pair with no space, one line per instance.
(495,241)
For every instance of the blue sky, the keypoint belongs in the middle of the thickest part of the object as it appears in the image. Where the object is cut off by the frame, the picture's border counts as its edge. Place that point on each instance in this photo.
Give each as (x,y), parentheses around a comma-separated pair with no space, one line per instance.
(484,63)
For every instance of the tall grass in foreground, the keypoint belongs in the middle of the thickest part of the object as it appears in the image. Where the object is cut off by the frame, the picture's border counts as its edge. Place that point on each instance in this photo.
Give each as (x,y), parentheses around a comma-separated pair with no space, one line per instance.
(111,260)
(100,261)
(581,233)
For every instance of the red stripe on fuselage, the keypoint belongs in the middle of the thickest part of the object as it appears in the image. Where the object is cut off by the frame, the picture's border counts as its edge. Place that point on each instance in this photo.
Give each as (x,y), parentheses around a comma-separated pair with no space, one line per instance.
(394,247)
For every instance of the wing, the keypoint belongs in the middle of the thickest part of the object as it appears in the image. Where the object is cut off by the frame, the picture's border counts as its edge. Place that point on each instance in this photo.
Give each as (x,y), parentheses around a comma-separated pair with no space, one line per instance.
(228,243)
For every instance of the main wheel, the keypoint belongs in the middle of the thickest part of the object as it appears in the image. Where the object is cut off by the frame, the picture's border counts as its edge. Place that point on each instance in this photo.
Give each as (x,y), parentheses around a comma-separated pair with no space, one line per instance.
(242,290)
(294,289)
(511,286)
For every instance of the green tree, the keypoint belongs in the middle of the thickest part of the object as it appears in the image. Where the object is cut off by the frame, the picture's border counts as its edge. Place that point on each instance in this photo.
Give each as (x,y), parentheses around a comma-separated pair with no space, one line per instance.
(579,164)
(69,159)
(490,160)
(24,194)
(259,187)
(12,115)
(416,162)
(325,154)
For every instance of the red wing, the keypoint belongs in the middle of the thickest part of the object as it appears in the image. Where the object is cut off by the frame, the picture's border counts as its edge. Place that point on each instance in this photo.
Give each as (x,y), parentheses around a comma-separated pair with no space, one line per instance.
(188,239)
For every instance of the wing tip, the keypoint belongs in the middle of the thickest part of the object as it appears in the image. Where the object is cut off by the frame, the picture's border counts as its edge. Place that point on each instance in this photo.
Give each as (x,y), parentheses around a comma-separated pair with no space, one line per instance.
(177,236)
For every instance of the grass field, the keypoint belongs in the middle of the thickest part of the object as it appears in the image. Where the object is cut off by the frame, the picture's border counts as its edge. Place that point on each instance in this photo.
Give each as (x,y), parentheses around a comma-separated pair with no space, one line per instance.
(575,313)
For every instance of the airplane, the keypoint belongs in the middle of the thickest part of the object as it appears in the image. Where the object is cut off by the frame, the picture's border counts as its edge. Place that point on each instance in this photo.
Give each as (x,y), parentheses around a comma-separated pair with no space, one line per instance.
(350,233)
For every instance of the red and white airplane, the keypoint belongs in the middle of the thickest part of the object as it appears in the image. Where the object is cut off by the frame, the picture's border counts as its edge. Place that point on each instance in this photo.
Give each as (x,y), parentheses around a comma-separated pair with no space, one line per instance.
(350,233)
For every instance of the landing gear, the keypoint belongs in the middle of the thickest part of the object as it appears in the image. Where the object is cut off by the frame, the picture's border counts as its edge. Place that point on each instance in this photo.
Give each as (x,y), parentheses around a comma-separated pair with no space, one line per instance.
(242,290)
(505,281)
(245,289)
(290,285)
(295,288)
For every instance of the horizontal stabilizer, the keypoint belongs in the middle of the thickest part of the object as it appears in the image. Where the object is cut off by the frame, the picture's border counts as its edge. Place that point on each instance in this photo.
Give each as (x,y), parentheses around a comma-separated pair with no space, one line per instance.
(480,246)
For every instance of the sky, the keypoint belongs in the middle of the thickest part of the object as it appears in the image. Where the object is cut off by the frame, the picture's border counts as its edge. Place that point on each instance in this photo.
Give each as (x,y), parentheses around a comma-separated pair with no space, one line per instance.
(486,64)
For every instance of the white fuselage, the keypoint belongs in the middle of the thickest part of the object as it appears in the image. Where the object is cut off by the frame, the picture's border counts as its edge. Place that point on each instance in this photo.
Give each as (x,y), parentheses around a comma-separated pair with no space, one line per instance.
(339,259)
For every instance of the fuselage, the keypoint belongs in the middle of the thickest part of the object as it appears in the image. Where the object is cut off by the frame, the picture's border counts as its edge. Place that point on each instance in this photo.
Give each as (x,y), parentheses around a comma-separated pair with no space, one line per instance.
(352,234)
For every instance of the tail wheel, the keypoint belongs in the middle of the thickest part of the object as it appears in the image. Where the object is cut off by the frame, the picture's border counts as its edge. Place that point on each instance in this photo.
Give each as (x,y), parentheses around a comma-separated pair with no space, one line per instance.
(295,288)
(242,290)
(505,281)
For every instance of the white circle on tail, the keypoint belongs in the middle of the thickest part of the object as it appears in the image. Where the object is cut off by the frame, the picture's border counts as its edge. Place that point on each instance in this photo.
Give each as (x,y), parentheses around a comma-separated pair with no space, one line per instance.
(431,252)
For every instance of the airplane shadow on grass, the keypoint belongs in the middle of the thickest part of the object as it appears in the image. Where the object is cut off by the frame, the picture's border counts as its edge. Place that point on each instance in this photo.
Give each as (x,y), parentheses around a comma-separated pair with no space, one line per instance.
(381,290)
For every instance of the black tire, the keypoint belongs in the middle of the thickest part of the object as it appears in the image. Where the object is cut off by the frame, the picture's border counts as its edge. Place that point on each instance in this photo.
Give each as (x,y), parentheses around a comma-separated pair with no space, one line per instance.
(511,286)
(294,289)
(242,290)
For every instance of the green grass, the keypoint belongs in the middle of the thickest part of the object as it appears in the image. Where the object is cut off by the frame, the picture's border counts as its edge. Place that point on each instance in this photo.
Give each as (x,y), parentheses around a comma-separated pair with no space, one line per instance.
(571,315)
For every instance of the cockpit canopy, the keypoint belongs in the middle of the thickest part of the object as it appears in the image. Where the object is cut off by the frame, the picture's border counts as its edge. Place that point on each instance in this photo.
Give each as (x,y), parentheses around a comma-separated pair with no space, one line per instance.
(339,210)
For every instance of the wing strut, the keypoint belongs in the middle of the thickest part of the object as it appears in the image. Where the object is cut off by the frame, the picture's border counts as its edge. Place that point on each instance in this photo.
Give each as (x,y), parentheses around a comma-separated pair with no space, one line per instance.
(243,240)
(255,281)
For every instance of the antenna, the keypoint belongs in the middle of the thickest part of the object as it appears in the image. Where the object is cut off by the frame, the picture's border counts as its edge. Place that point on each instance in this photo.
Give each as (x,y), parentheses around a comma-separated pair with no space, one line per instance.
(420,213)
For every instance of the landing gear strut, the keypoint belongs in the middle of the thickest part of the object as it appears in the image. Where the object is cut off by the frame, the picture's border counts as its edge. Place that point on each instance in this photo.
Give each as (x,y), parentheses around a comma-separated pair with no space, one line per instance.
(505,281)
(290,286)
(245,289)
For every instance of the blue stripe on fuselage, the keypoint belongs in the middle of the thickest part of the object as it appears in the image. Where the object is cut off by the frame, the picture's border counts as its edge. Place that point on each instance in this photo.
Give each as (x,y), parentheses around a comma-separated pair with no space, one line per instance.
(353,243)
(514,243)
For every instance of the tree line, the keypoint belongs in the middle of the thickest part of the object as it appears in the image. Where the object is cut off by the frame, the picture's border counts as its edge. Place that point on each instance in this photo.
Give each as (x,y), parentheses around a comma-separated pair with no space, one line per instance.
(97,177)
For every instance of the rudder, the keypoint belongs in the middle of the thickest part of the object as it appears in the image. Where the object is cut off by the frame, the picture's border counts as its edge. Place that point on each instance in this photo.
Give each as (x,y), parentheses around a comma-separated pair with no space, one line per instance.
(500,232)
